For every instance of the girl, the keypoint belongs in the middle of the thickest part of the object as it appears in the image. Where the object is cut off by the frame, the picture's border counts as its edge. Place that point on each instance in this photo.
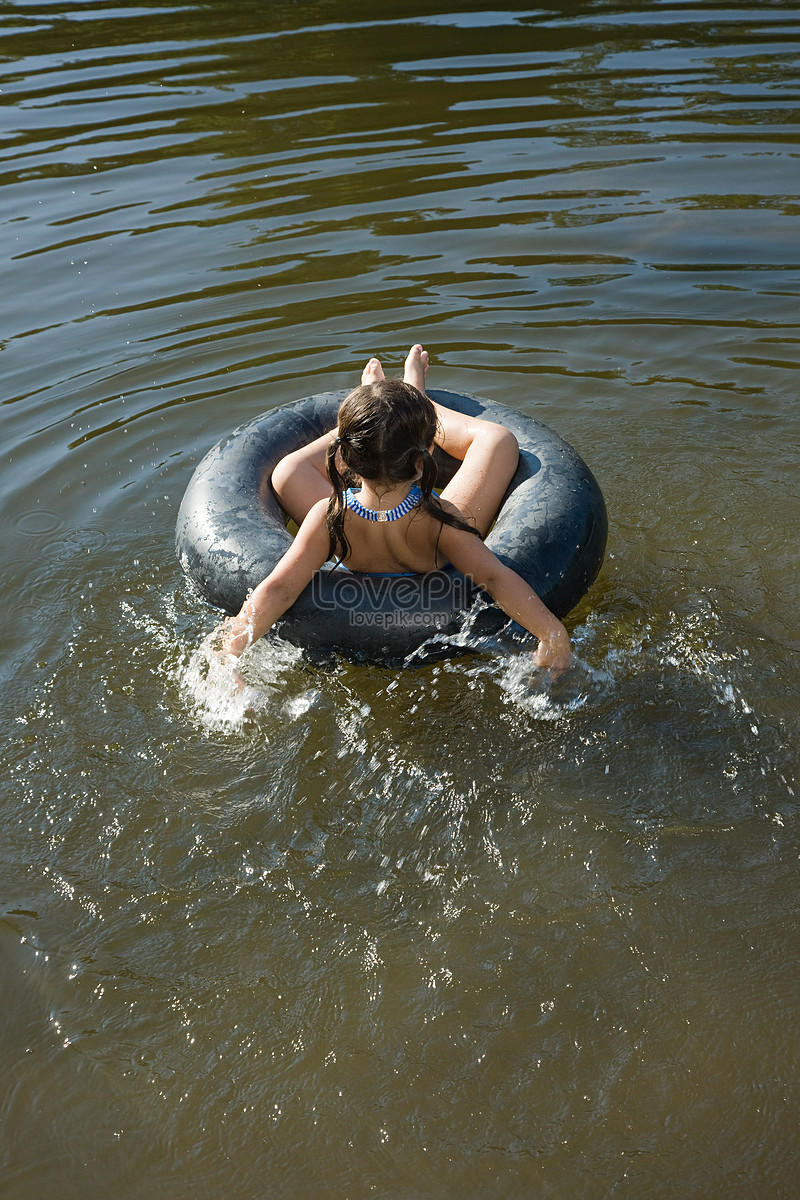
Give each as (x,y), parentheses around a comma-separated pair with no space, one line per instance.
(395,523)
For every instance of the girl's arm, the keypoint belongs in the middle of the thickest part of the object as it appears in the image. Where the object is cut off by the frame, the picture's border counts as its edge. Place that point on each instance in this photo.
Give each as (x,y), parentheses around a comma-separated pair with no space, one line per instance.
(470,556)
(279,590)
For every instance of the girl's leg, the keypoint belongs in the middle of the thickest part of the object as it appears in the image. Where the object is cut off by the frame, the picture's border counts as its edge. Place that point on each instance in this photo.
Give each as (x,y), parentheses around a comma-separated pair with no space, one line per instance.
(301,478)
(486,470)
(488,452)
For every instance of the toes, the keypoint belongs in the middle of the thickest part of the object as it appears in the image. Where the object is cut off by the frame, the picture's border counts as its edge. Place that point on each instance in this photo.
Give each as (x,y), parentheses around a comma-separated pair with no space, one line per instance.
(372,372)
(417,356)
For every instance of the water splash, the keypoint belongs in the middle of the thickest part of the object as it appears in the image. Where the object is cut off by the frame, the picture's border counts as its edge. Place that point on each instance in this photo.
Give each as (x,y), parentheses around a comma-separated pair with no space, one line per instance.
(221,703)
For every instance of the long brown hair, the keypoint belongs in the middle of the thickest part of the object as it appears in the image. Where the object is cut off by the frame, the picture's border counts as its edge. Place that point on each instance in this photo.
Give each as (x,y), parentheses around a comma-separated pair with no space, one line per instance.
(385,428)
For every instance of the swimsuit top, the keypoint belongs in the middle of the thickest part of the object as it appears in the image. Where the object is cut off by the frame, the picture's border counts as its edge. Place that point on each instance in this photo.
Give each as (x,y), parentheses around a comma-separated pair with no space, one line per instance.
(376,514)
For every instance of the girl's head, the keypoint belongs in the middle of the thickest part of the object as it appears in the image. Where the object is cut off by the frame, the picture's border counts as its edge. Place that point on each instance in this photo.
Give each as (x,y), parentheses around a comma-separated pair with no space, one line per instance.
(385,429)
(385,436)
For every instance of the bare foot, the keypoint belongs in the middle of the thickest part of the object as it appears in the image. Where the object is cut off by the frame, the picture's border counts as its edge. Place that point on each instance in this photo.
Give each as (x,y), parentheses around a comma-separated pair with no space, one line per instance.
(373,372)
(417,364)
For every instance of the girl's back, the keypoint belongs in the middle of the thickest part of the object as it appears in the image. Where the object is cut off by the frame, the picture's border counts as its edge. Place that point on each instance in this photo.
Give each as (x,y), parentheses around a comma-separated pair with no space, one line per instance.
(407,545)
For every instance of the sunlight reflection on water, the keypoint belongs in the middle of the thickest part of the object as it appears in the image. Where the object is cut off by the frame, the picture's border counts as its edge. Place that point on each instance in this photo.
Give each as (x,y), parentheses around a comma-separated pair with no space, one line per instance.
(449,929)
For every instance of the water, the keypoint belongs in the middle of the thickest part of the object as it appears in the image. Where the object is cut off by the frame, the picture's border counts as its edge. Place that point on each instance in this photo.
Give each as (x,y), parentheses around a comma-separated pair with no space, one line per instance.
(433,933)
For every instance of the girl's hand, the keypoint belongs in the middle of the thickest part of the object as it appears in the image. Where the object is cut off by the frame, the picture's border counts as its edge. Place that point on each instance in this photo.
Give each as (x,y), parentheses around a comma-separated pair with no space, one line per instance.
(555,653)
(221,661)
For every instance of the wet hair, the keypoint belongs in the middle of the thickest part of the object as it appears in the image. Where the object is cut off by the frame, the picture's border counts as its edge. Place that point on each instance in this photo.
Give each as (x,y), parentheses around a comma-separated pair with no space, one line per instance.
(385,428)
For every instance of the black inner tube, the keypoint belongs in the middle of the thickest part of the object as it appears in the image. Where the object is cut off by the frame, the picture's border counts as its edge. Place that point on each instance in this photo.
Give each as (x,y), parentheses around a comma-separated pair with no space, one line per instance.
(231,531)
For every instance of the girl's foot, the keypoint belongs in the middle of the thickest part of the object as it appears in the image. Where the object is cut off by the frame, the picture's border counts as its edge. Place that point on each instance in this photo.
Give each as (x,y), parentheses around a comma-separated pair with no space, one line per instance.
(417,364)
(373,372)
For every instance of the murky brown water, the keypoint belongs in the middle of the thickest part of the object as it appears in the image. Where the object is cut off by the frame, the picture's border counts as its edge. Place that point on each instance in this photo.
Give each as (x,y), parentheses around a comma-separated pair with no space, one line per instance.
(420,934)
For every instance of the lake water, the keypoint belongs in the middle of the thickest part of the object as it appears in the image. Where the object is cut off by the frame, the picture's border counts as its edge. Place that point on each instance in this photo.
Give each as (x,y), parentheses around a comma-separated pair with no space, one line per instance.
(421,934)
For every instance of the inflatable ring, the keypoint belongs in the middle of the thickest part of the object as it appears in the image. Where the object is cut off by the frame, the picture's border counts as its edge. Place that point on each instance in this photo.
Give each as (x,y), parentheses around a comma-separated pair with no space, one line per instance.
(231,531)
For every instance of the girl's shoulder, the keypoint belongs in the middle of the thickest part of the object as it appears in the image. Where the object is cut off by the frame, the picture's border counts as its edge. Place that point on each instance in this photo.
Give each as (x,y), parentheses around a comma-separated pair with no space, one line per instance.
(452,510)
(449,507)
(423,516)
(317,514)
(314,524)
